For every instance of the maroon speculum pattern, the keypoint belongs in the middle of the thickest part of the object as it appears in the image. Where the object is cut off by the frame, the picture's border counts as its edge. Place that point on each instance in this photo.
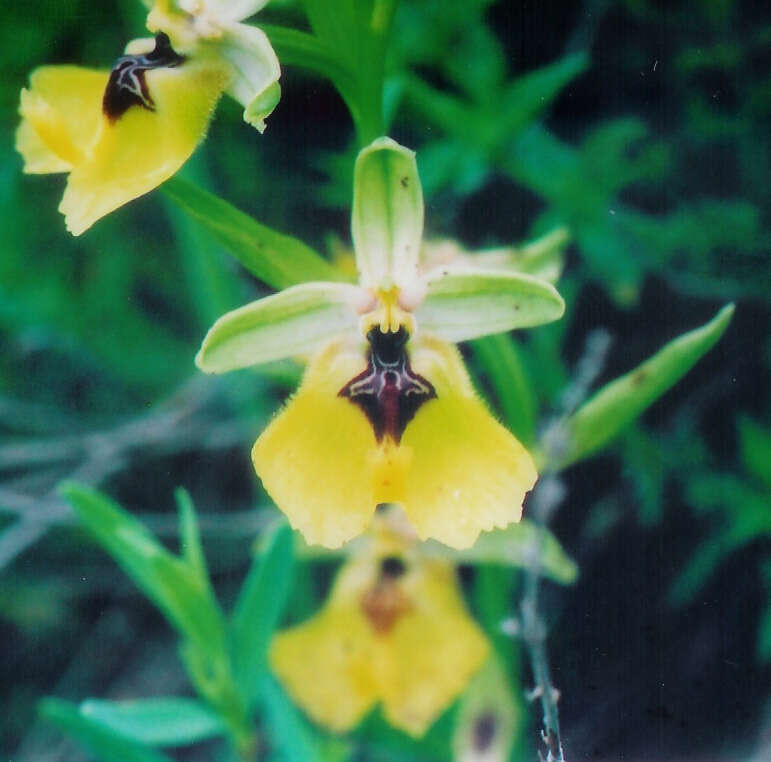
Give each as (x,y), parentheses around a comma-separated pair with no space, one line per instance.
(388,392)
(127,86)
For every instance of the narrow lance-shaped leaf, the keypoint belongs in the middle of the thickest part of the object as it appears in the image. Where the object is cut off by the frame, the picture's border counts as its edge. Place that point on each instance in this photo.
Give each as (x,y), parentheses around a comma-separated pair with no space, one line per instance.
(98,738)
(755,442)
(500,359)
(168,581)
(533,92)
(259,607)
(292,322)
(618,403)
(387,219)
(277,259)
(464,303)
(287,728)
(190,536)
(168,721)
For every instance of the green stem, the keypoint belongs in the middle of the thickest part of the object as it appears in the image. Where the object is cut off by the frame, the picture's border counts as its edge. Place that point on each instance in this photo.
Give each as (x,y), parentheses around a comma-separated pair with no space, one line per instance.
(376,28)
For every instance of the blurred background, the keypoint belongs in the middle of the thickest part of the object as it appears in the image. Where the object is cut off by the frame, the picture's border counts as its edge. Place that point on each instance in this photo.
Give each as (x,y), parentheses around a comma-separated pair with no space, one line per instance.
(643,127)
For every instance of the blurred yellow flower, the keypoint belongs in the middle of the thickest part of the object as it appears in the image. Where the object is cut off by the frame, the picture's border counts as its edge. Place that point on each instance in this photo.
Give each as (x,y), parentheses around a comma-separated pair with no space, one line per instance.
(394,630)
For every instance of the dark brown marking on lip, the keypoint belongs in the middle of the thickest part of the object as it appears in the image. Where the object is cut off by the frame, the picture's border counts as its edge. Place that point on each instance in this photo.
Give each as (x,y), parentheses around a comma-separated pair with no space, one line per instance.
(127,85)
(384,604)
(388,391)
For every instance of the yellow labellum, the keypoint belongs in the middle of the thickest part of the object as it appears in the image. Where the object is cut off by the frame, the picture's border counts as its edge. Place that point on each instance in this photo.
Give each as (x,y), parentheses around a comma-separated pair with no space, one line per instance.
(456,470)
(343,660)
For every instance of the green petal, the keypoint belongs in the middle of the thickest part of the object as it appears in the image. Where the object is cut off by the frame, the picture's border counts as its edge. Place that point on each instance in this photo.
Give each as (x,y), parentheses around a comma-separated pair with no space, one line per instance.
(292,322)
(236,10)
(387,222)
(465,303)
(256,72)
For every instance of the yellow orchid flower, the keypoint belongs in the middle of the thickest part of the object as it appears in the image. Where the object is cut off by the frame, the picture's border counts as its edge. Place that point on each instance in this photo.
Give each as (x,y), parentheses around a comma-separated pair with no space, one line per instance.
(386,412)
(123,132)
(394,630)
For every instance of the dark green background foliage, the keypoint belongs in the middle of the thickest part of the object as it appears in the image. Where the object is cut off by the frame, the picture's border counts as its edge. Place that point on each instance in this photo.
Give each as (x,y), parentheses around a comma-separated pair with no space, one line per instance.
(643,128)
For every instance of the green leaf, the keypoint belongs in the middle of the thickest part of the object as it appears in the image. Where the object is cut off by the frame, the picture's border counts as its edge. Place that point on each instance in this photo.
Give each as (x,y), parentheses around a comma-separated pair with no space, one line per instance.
(742,517)
(259,607)
(171,583)
(499,356)
(524,545)
(164,721)
(764,627)
(287,728)
(618,403)
(464,303)
(387,219)
(295,48)
(190,536)
(531,93)
(755,442)
(295,321)
(99,739)
(277,259)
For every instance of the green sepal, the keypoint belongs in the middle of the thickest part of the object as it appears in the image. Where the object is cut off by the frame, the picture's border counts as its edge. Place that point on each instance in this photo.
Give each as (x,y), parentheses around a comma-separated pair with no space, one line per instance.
(387,219)
(295,321)
(276,259)
(618,403)
(465,302)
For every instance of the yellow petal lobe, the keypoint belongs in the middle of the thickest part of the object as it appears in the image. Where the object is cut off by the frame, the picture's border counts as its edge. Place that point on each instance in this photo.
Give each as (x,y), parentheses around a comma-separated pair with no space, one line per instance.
(468,473)
(142,148)
(433,651)
(317,457)
(61,117)
(325,665)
